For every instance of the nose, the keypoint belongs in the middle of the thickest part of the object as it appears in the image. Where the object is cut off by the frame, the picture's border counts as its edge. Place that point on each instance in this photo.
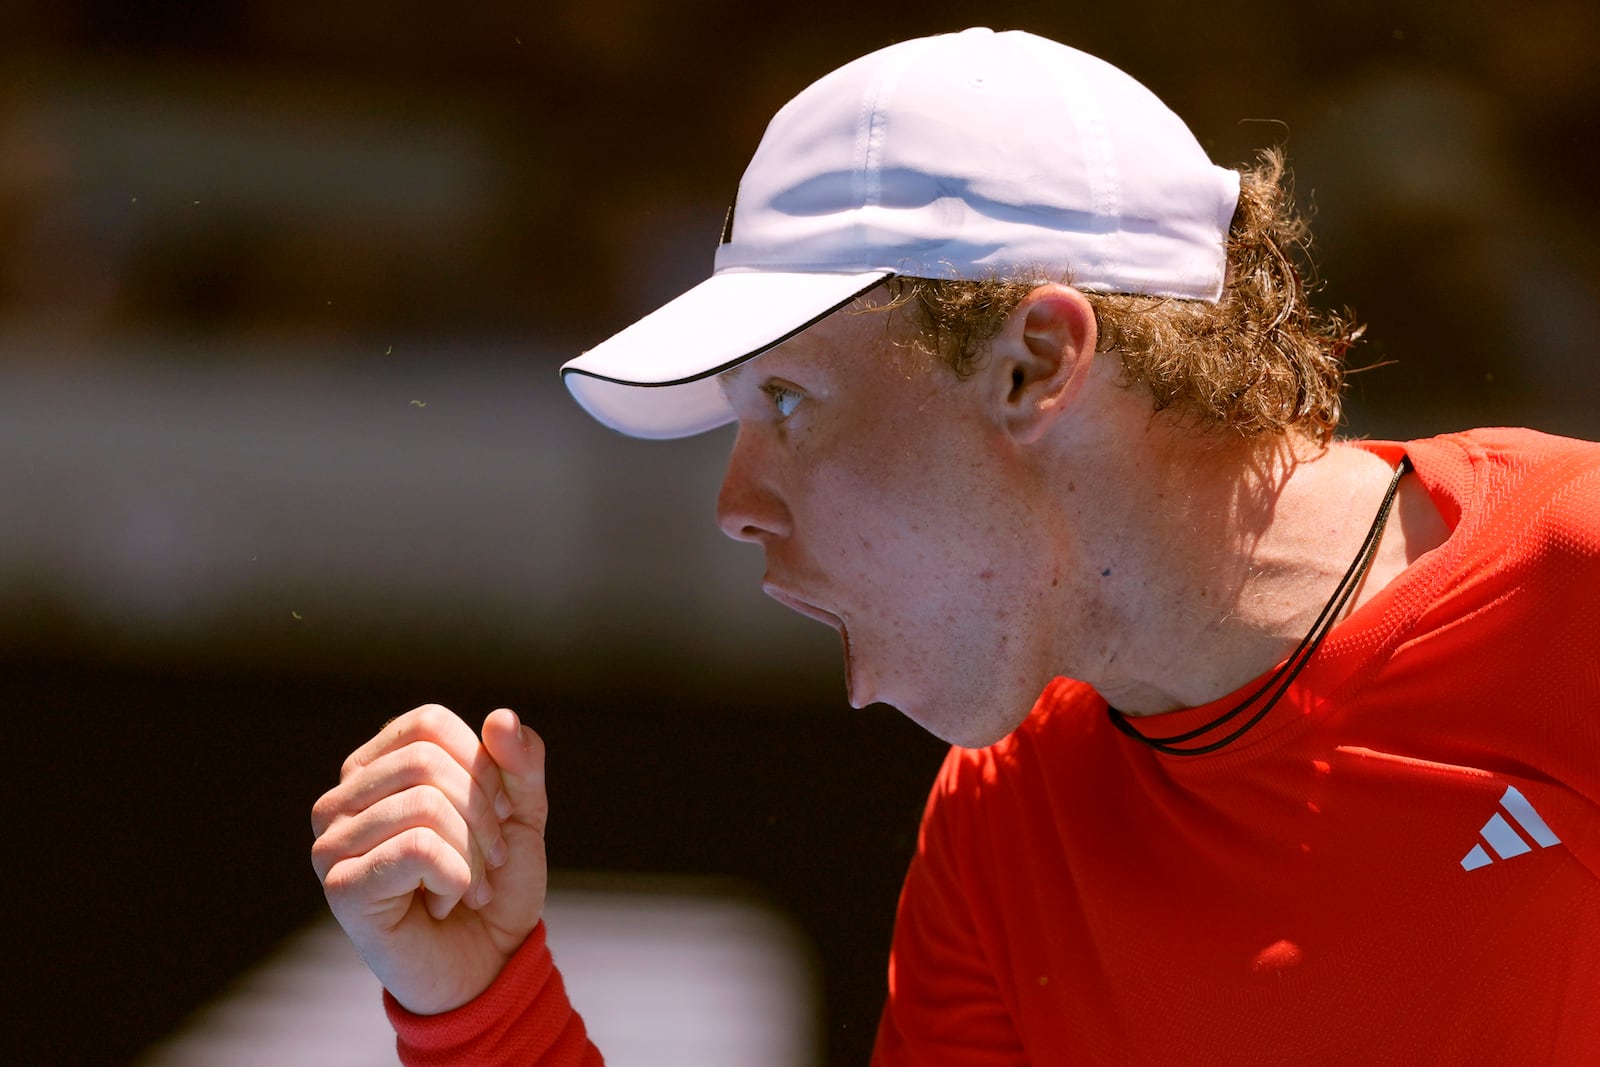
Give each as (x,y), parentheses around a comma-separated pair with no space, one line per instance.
(748,506)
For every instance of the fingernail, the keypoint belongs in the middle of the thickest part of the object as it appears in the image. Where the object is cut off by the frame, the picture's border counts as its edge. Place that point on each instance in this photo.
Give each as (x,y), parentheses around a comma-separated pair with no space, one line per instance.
(502,806)
(485,893)
(497,853)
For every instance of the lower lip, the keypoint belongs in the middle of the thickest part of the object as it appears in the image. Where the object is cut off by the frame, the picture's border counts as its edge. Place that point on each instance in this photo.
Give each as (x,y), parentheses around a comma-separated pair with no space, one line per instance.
(855,685)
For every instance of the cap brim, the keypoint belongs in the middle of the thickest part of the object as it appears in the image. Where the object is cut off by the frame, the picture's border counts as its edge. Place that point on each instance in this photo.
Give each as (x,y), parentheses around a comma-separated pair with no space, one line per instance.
(658,377)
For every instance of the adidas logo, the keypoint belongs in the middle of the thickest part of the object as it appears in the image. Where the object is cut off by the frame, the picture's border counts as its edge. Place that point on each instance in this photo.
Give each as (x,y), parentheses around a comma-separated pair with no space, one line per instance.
(1503,839)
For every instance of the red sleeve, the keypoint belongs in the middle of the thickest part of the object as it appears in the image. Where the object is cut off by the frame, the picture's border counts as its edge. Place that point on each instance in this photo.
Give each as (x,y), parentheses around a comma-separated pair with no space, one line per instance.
(944,1006)
(523,1019)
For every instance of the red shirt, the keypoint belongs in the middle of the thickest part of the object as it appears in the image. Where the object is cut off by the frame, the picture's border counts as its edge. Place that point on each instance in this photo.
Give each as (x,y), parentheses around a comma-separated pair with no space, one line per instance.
(523,1019)
(1399,864)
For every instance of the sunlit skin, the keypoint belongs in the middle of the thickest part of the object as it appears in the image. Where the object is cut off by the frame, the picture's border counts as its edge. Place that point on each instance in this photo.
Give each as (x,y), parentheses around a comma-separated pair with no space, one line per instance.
(973,538)
(970,538)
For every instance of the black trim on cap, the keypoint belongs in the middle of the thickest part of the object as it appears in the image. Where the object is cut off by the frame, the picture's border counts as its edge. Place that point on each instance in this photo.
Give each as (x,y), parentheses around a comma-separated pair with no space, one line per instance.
(714,371)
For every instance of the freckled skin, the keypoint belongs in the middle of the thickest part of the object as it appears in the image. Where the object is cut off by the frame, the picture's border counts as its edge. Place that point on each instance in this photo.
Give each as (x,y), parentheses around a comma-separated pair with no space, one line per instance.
(972,538)
(864,499)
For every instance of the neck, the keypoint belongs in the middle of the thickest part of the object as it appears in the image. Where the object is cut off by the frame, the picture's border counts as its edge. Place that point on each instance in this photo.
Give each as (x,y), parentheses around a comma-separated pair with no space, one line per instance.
(1215,557)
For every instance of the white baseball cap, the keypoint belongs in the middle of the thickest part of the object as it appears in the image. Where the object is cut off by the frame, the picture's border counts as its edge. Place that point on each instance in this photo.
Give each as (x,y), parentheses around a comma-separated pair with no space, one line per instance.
(963,155)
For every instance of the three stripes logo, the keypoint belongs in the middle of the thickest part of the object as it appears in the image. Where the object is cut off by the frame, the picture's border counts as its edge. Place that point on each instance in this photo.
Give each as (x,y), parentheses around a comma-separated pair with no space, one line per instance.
(1502,837)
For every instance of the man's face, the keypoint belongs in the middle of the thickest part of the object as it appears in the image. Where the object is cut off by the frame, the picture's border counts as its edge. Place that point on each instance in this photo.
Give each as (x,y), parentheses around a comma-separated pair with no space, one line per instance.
(885,497)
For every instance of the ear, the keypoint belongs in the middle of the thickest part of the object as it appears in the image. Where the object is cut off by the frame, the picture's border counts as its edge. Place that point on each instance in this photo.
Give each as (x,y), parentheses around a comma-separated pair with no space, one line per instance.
(1040,359)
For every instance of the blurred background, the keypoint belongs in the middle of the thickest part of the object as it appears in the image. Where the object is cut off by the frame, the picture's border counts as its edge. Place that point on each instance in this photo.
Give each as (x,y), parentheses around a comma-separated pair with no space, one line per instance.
(283,290)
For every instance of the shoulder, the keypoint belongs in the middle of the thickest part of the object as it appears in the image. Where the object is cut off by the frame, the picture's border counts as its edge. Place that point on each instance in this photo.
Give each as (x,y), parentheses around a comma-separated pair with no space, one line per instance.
(1505,457)
(1533,491)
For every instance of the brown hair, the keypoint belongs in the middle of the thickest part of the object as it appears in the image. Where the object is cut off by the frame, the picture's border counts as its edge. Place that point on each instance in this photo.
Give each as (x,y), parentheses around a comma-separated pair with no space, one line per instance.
(1260,360)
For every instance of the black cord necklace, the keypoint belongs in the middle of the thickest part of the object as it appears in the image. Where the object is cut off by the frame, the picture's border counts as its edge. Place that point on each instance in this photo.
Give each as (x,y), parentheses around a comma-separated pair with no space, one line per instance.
(1284,676)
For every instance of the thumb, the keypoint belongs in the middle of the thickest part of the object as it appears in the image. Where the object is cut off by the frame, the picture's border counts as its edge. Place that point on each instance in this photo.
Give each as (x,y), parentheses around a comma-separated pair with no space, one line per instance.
(519,752)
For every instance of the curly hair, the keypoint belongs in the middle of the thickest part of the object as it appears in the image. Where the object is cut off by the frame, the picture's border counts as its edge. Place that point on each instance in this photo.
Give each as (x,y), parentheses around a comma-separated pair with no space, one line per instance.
(1261,360)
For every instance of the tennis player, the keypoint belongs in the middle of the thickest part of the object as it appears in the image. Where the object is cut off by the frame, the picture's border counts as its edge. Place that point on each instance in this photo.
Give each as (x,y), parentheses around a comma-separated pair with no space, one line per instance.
(1267,746)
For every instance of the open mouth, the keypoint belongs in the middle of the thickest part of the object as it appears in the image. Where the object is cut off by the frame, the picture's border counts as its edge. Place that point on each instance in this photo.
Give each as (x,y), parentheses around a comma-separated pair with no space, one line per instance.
(810,611)
(854,683)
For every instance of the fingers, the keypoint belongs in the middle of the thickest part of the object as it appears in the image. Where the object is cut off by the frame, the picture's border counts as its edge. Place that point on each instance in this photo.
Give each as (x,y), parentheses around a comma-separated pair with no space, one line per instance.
(430,724)
(423,766)
(519,754)
(423,788)
(379,886)
(422,808)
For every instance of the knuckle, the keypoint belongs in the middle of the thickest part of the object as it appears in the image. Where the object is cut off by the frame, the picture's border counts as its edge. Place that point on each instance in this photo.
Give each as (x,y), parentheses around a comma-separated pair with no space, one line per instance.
(325,858)
(341,882)
(323,812)
(424,764)
(426,805)
(430,718)
(415,843)
(431,762)
(420,847)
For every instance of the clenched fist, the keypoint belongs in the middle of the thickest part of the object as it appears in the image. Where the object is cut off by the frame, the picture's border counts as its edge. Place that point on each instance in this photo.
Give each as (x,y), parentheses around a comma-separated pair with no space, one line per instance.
(431,852)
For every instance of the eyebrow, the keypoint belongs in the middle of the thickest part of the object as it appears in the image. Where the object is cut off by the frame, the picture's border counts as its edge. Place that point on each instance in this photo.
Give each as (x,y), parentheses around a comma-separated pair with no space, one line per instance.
(730,377)
(736,373)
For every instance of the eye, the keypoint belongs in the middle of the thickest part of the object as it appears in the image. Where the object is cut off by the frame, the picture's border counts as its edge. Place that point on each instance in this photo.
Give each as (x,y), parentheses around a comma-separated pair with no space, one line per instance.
(784,399)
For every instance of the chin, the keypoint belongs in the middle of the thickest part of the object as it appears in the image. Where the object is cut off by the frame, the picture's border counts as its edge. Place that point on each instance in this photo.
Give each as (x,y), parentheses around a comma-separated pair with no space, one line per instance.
(963,731)
(965,723)
(976,739)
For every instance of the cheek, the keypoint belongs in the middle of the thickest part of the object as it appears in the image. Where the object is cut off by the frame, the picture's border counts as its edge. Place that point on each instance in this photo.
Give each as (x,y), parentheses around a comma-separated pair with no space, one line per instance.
(901,504)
